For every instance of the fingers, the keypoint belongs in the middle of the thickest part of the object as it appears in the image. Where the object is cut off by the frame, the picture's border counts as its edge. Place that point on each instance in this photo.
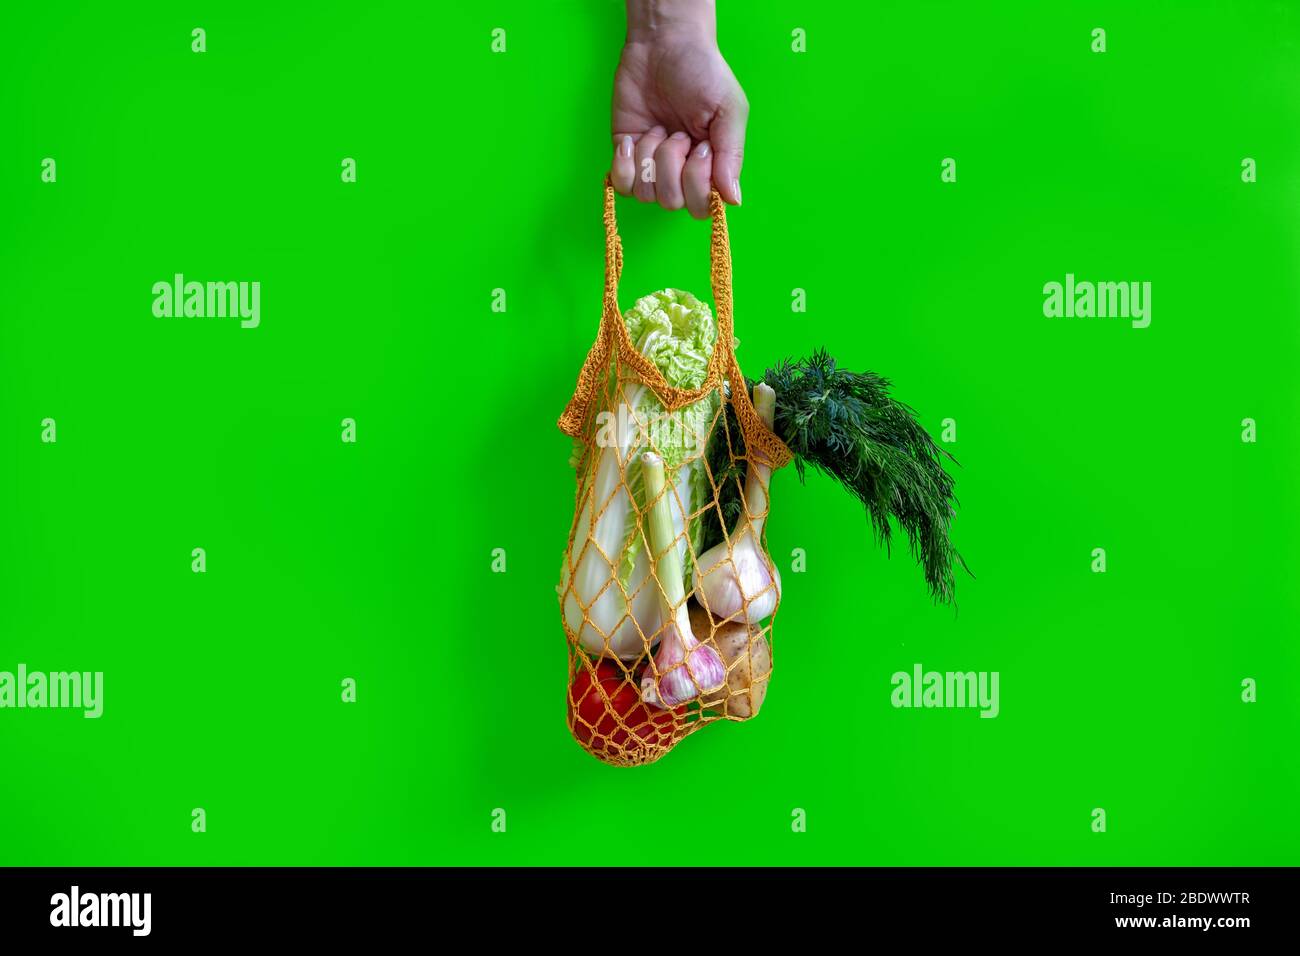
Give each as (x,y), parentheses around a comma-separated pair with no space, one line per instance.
(663,169)
(727,134)
(623,169)
(697,178)
(670,157)
(644,185)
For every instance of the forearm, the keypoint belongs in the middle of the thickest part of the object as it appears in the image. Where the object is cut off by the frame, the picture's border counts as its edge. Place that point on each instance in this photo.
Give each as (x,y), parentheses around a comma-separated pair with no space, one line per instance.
(650,20)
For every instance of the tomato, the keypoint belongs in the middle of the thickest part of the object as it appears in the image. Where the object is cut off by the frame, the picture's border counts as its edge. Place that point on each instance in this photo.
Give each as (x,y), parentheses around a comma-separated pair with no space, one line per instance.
(609,719)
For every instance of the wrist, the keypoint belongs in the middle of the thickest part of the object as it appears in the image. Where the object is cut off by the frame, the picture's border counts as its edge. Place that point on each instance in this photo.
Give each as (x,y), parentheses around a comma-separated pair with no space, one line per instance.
(652,21)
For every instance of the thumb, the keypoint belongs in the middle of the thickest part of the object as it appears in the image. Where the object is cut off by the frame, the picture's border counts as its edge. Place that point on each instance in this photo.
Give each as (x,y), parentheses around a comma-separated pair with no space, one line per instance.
(727,134)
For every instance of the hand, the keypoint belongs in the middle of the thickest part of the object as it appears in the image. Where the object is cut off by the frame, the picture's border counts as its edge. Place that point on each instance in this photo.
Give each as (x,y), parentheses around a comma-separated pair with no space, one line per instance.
(679,114)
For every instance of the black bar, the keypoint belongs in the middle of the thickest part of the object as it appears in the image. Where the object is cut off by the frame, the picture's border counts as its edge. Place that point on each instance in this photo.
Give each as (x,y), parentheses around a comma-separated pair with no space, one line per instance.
(610,908)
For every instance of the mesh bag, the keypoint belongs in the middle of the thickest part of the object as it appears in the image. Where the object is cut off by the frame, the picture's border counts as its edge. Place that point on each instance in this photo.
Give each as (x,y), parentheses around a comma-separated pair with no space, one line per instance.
(666,636)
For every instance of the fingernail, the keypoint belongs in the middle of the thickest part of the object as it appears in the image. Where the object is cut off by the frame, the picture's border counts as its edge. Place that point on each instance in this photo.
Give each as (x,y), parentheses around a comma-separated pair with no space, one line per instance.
(626,147)
(657,131)
(735,185)
(702,150)
(679,135)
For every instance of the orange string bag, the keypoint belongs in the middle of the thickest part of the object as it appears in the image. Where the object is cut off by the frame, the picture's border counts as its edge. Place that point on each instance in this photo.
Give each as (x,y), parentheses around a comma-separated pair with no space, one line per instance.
(665,636)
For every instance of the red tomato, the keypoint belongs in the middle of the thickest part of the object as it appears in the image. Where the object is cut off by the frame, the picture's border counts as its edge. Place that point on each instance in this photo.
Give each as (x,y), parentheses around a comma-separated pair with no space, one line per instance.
(609,719)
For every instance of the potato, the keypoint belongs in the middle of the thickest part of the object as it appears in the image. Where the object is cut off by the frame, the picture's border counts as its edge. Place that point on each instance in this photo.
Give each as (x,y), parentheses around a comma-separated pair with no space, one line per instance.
(748,667)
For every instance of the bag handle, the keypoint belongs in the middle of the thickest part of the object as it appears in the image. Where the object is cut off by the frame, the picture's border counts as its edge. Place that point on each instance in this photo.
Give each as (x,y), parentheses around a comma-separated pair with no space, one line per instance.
(722,363)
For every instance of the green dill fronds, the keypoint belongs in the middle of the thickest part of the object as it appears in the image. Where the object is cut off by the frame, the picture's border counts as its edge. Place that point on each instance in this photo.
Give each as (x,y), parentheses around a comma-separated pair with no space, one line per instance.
(846,425)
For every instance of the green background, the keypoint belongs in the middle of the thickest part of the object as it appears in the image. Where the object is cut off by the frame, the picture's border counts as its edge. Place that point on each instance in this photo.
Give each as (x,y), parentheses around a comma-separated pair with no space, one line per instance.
(479,171)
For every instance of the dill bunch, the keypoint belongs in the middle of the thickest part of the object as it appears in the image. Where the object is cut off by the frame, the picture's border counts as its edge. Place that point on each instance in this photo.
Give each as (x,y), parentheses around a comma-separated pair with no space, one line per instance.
(846,425)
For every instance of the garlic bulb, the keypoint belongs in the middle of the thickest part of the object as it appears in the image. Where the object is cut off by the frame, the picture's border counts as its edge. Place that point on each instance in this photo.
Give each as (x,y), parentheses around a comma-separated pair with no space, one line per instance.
(682,668)
(736,579)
